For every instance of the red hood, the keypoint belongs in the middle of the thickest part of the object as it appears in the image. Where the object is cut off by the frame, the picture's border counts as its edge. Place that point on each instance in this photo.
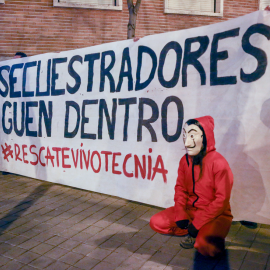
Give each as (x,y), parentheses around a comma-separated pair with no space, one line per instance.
(207,122)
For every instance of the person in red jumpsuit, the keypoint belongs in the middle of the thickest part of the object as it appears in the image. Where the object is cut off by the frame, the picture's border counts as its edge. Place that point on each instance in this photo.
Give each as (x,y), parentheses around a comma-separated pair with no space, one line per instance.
(202,209)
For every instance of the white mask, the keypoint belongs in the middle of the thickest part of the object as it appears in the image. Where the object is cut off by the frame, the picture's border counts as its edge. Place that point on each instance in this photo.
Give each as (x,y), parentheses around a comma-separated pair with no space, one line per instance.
(193,139)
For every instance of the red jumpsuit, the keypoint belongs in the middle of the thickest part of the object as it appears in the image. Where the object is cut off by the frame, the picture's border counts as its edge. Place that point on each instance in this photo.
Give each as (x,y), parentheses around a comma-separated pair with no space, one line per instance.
(203,200)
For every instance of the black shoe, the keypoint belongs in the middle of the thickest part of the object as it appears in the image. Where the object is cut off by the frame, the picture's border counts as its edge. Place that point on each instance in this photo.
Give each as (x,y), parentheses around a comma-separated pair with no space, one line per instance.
(249,224)
(188,242)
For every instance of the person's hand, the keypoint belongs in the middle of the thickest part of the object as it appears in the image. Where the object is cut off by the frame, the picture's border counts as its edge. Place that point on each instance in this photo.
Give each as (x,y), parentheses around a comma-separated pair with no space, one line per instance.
(182,224)
(267,8)
(136,39)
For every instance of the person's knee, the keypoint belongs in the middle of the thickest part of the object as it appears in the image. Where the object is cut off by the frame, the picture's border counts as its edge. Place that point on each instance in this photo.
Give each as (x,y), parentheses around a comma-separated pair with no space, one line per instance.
(156,222)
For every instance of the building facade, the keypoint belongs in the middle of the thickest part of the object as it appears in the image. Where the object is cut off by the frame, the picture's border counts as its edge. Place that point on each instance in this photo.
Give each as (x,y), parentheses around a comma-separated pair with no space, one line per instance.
(41,26)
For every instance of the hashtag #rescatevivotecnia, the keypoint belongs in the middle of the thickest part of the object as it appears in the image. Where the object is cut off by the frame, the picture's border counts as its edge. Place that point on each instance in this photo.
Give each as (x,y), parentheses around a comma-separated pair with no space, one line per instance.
(7,151)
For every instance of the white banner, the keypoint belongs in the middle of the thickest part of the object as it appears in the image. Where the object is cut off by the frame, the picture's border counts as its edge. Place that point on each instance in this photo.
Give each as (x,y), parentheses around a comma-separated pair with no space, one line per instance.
(109,118)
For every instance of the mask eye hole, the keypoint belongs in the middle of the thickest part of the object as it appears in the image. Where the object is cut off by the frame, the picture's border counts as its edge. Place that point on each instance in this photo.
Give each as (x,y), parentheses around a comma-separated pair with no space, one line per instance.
(192,136)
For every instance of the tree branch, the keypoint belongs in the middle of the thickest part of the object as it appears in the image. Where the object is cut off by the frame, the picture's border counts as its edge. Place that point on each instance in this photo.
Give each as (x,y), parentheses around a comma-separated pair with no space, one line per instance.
(133,11)
(130,4)
(137,6)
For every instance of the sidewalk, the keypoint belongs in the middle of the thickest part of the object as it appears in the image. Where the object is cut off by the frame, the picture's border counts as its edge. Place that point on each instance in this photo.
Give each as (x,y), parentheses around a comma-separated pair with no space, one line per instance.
(49,226)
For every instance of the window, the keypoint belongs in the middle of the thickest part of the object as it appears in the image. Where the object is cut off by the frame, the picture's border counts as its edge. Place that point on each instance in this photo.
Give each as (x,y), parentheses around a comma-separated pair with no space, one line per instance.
(196,7)
(264,4)
(2,1)
(96,4)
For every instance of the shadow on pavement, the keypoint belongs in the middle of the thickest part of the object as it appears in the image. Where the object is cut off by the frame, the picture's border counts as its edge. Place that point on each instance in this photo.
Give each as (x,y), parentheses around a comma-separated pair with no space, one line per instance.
(142,250)
(21,207)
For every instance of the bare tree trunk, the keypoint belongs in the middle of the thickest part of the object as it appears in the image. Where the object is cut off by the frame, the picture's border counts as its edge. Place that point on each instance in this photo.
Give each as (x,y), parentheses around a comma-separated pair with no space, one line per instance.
(133,11)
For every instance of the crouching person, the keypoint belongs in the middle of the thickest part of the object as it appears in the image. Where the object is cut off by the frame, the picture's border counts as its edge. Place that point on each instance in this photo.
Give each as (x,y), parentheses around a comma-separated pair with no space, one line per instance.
(202,210)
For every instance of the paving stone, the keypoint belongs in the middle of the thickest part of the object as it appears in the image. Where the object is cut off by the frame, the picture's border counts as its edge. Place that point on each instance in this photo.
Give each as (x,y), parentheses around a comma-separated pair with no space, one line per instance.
(161,238)
(116,258)
(42,262)
(14,252)
(132,263)
(67,233)
(56,230)
(69,244)
(55,221)
(146,232)
(161,258)
(149,265)
(17,240)
(42,248)
(115,227)
(58,266)
(71,258)
(261,247)
(42,237)
(176,268)
(12,265)
(104,266)
(262,239)
(121,212)
(175,240)
(99,253)
(110,244)
(30,233)
(83,249)
(188,253)
(248,265)
(143,253)
(6,236)
(123,250)
(87,263)
(122,237)
(139,224)
(241,242)
(257,257)
(92,230)
(128,229)
(43,227)
(74,268)
(27,257)
(136,241)
(55,240)
(237,253)
(103,223)
(249,230)
(152,244)
(266,226)
(30,244)
(4,260)
(246,235)
(19,230)
(128,247)
(80,226)
(28,267)
(186,263)
(81,236)
(169,248)
(56,253)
